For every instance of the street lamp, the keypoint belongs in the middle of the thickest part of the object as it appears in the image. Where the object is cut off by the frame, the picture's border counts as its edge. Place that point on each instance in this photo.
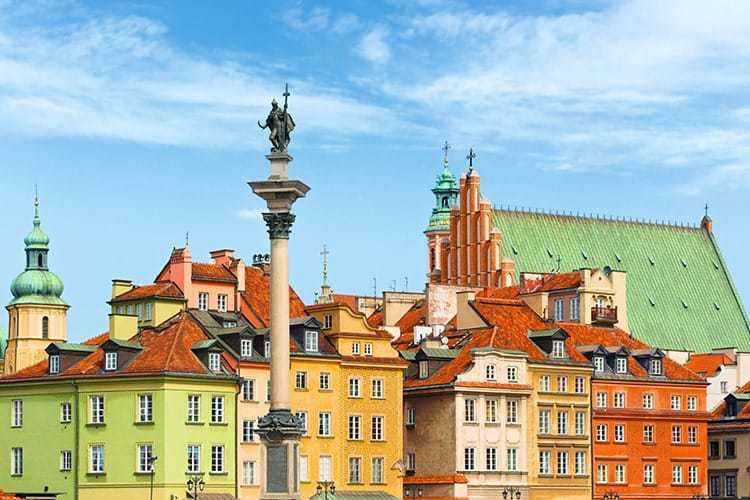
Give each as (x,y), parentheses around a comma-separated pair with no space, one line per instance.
(611,496)
(324,487)
(195,484)
(151,461)
(511,493)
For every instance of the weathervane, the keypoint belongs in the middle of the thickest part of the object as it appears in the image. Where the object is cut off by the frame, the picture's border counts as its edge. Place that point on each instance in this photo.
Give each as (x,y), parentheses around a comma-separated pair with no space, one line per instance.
(280,123)
(471,157)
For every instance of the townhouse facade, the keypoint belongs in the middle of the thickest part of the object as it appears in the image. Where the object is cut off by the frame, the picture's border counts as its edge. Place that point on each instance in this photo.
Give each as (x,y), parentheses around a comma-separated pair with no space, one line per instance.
(729,446)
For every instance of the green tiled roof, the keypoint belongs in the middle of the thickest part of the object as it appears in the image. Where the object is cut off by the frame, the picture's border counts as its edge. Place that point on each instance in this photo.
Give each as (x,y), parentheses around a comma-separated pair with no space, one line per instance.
(680,292)
(439,353)
(65,346)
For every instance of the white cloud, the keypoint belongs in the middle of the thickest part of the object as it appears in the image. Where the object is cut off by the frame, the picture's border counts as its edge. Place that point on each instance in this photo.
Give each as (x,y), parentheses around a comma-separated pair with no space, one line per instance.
(721,179)
(374,47)
(317,19)
(346,23)
(249,214)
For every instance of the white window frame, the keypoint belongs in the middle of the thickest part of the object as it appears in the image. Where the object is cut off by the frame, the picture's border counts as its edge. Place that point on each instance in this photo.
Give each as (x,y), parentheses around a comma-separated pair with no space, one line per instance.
(145,408)
(248,431)
(110,361)
(311,341)
(655,367)
(66,412)
(54,364)
(377,428)
(144,451)
(355,348)
(217,409)
(324,381)
(378,470)
(490,411)
(618,400)
(411,416)
(490,372)
(580,423)
(324,424)
(692,403)
(559,310)
(355,428)
(300,380)
(648,474)
(470,410)
(544,421)
(648,433)
(545,460)
(246,348)
(250,472)
(97,458)
(376,389)
(194,408)
(620,474)
(66,460)
(16,461)
(214,362)
(580,466)
(512,374)
(96,409)
(619,434)
(470,458)
(562,422)
(563,465)
(621,364)
(424,369)
(490,458)
(602,474)
(16,419)
(558,349)
(574,304)
(325,467)
(355,470)
(601,399)
(368,349)
(511,411)
(193,458)
(248,389)
(511,459)
(562,383)
(222,301)
(217,459)
(355,387)
(601,433)
(203,301)
(599,364)
(648,401)
(544,383)
(677,474)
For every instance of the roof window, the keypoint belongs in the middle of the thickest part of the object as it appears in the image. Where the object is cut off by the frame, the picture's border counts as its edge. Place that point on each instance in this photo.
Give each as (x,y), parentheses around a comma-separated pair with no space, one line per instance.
(651,301)
(683,262)
(651,260)
(584,255)
(617,256)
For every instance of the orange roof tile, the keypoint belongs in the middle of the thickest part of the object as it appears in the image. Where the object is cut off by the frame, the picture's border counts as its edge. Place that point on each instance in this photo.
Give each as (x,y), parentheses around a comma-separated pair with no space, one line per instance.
(552,281)
(376,318)
(212,272)
(346,299)
(707,364)
(256,298)
(164,289)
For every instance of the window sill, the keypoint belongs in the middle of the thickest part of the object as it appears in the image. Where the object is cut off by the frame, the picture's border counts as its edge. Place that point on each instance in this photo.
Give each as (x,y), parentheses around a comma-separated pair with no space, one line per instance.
(253,485)
(218,473)
(195,423)
(144,423)
(249,401)
(324,437)
(96,474)
(95,425)
(138,473)
(325,390)
(65,470)
(219,424)
(301,389)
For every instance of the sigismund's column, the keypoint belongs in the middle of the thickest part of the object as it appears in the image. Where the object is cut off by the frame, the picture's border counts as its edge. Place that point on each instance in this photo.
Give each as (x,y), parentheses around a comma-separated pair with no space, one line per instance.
(279,429)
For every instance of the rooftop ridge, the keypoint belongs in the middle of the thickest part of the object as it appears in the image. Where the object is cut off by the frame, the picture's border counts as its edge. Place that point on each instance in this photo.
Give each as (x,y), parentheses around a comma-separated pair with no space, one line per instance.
(595,217)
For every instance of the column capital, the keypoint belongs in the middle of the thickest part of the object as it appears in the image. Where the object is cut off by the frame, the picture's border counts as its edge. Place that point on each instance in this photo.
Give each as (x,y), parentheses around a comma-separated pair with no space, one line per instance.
(279,224)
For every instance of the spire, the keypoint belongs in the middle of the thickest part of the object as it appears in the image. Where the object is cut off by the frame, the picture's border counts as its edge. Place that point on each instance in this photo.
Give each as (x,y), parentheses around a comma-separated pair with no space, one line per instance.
(37,219)
(707,223)
(446,196)
(325,254)
(36,239)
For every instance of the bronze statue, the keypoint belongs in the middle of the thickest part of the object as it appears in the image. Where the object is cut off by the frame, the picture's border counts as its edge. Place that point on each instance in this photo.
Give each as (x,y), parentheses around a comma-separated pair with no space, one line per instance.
(280,123)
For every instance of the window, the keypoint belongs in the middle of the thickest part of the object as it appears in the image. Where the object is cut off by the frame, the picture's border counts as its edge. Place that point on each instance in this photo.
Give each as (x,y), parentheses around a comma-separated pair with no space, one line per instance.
(562,422)
(217,409)
(512,411)
(470,410)
(713,449)
(65,413)
(217,458)
(580,423)
(655,367)
(149,311)
(544,383)
(54,363)
(355,470)
(599,364)
(355,348)
(574,308)
(377,388)
(601,399)
(203,301)
(677,474)
(512,459)
(228,323)
(692,403)
(145,408)
(469,458)
(621,364)
(300,380)
(601,432)
(324,468)
(544,462)
(676,402)
(267,349)
(580,463)
(490,459)
(145,454)
(424,370)
(723,387)
(249,472)
(411,461)
(562,384)
(648,433)
(324,423)
(619,400)
(311,341)
(619,473)
(512,374)
(96,406)
(268,390)
(676,434)
(130,309)
(490,372)
(619,433)
(110,361)
(17,415)
(355,427)
(214,361)
(377,428)
(16,466)
(558,349)
(248,390)
(194,458)
(602,474)
(410,416)
(562,462)
(729,451)
(730,485)
(693,474)
(544,418)
(96,458)
(559,314)
(580,387)
(222,302)
(714,486)
(648,474)
(324,382)
(368,349)
(248,433)
(378,467)
(194,408)
(45,324)
(66,460)
(327,321)
(139,311)
(490,411)
(648,401)
(354,388)
(246,348)
(302,420)
(692,435)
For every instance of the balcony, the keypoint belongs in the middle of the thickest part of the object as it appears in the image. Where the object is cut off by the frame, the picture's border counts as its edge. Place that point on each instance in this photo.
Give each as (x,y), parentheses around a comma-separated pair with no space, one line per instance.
(603,315)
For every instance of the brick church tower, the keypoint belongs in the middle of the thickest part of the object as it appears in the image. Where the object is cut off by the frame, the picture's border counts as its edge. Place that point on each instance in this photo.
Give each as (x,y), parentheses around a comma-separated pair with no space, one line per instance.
(438,229)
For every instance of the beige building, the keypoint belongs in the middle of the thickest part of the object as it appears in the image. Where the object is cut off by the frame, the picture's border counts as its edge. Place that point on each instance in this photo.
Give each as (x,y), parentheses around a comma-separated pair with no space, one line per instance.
(729,447)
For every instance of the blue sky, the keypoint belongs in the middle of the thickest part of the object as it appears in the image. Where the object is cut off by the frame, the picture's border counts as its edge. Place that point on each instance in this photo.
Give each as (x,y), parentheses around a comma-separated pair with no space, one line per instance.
(137,120)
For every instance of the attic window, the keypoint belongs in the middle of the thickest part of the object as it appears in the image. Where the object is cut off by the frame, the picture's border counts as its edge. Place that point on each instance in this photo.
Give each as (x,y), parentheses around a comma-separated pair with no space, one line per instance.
(515,250)
(549,252)
(683,262)
(214,362)
(621,364)
(598,364)
(617,256)
(311,341)
(716,306)
(584,255)
(423,369)
(651,260)
(229,324)
(110,361)
(684,304)
(54,363)
(716,266)
(654,367)
(558,349)
(246,348)
(651,301)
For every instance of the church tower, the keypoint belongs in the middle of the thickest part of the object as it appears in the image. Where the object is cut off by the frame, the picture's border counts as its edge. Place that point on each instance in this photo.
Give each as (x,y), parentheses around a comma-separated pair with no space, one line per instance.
(438,229)
(37,314)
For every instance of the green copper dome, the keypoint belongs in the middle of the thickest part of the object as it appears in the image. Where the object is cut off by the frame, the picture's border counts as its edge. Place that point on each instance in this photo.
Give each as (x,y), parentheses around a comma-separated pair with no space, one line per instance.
(37,284)
(446,197)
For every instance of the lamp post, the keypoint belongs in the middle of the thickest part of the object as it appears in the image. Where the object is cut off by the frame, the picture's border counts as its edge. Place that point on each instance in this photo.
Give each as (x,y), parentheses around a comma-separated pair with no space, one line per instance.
(151,461)
(195,484)
(611,496)
(324,487)
(511,493)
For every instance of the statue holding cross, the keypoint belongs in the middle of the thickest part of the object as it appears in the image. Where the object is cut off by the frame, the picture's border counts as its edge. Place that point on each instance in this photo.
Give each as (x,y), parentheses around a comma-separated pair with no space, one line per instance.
(280,123)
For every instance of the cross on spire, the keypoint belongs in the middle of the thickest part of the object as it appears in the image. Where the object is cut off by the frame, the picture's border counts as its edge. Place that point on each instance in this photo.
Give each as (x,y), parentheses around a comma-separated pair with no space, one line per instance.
(325,254)
(445,149)
(471,157)
(187,239)
(706,209)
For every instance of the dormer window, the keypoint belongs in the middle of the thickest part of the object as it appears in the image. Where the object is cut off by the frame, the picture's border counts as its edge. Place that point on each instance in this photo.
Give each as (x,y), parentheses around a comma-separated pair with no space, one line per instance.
(423,369)
(621,363)
(327,321)
(490,372)
(246,348)
(214,361)
(110,361)
(598,364)
(54,363)
(558,349)
(311,341)
(655,367)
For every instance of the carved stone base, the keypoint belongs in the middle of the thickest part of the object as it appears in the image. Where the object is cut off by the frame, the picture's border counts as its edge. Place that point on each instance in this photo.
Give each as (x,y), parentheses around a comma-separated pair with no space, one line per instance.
(279,431)
(279,165)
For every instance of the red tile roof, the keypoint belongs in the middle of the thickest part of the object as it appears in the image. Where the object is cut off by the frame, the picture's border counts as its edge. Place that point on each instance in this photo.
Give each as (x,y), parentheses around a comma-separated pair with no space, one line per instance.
(164,289)
(256,298)
(707,364)
(8,496)
(415,316)
(212,272)
(376,318)
(552,281)
(346,299)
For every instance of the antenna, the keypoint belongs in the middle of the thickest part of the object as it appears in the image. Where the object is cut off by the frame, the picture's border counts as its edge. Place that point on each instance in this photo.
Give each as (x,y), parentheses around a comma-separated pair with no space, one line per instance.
(374,287)
(325,254)
(393,285)
(406,283)
(187,238)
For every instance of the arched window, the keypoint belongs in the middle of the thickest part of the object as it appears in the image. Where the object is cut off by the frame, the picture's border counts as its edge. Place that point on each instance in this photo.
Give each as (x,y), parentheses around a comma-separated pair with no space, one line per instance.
(445,202)
(40,260)
(45,327)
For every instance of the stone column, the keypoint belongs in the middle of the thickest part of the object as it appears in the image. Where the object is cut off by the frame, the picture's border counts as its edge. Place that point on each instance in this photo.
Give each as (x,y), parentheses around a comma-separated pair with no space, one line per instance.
(279,429)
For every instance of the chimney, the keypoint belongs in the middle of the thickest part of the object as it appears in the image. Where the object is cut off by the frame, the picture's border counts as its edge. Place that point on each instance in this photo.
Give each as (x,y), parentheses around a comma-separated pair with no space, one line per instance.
(122,326)
(222,257)
(121,286)
(466,316)
(507,272)
(181,270)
